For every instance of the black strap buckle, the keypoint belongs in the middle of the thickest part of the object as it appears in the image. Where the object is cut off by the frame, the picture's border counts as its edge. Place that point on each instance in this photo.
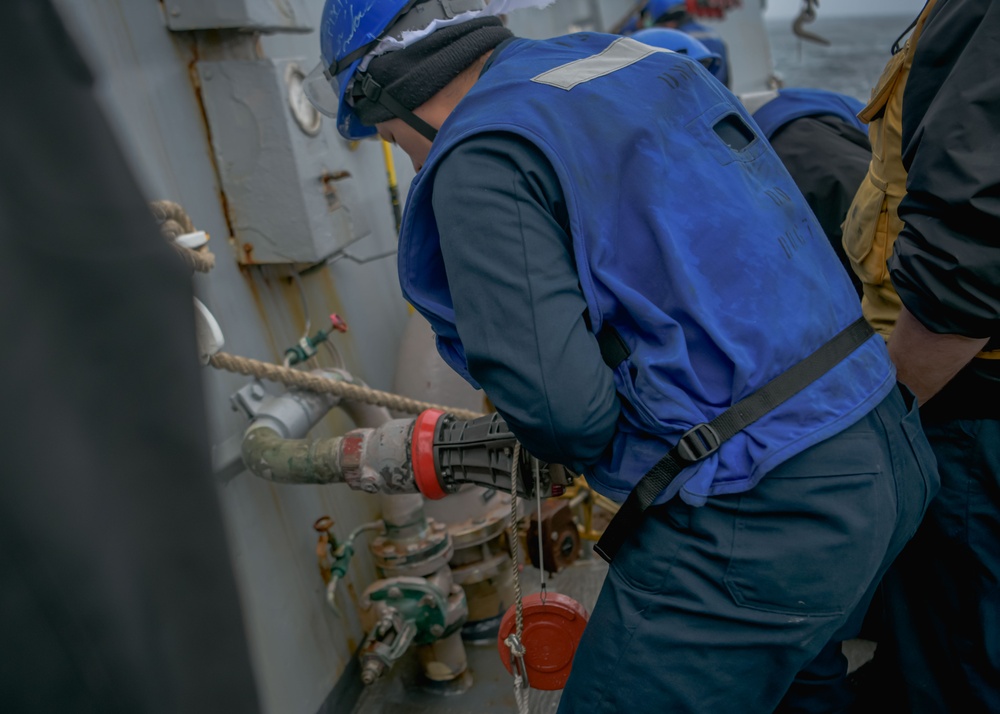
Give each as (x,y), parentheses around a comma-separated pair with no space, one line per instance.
(370,88)
(698,442)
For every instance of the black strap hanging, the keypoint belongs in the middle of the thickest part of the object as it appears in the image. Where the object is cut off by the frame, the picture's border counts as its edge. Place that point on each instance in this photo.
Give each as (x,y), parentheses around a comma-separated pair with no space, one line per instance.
(704,440)
(374,92)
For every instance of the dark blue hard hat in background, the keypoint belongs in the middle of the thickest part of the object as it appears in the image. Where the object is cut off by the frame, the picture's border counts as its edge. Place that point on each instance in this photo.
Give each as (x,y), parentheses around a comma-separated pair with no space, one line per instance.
(682,43)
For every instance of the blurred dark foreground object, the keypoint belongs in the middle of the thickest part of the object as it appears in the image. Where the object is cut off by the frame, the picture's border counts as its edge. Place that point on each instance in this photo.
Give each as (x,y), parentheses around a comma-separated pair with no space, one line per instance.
(116,587)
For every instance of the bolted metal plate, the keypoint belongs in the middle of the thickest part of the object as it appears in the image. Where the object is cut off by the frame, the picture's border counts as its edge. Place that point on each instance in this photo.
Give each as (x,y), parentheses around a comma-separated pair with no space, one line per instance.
(260,15)
(289,198)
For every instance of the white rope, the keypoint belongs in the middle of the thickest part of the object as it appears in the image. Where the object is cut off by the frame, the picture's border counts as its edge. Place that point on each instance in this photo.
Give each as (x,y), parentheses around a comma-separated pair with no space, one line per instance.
(513,640)
(174,221)
(323,385)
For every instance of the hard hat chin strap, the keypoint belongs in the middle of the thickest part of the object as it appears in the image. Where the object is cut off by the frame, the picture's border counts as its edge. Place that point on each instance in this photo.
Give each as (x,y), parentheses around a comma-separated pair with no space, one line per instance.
(373,92)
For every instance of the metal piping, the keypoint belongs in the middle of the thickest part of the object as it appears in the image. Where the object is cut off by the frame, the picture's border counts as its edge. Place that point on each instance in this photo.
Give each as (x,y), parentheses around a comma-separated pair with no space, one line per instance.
(369,460)
(398,510)
(270,456)
(413,551)
(293,414)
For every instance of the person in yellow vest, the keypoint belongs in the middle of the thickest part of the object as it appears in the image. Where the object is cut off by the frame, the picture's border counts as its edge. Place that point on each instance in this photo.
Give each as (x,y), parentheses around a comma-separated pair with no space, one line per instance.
(923,235)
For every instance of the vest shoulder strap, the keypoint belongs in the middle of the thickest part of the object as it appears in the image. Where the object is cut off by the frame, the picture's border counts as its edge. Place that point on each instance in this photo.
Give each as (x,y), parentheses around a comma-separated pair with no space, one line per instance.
(703,440)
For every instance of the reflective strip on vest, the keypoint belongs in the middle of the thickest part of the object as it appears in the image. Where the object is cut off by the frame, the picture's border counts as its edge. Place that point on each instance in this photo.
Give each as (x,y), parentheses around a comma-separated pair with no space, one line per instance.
(619,55)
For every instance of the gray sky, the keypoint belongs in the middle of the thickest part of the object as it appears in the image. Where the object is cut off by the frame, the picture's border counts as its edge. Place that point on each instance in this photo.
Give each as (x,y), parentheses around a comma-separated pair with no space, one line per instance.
(790,8)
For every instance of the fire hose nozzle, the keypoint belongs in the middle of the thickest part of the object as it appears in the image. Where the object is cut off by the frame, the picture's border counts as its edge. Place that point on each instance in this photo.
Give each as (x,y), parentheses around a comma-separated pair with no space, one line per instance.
(448,452)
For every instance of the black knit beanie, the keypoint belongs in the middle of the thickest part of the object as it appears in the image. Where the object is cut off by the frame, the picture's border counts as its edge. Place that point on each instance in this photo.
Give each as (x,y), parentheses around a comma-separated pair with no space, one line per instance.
(416,73)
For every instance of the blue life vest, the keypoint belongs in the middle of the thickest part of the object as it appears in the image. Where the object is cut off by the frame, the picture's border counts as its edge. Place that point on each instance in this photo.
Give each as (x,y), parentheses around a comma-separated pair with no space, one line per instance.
(705,259)
(711,39)
(772,110)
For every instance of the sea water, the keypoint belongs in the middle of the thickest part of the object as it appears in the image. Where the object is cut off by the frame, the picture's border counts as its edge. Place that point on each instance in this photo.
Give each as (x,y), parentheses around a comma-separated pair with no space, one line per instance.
(858,51)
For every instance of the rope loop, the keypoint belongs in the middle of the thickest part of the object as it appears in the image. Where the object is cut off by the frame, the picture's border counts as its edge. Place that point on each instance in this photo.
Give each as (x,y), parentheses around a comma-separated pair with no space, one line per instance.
(175,222)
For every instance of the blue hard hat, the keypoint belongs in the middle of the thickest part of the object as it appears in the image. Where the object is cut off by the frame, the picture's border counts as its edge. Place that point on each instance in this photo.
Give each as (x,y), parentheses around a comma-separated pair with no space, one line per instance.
(347,32)
(682,43)
(351,29)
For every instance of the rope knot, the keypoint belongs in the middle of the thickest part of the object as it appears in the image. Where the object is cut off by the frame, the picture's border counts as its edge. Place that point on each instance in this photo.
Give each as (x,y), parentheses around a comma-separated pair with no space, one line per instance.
(513,643)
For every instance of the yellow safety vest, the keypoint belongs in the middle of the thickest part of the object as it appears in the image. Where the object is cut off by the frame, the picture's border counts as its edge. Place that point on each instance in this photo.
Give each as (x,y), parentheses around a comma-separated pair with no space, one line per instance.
(872,222)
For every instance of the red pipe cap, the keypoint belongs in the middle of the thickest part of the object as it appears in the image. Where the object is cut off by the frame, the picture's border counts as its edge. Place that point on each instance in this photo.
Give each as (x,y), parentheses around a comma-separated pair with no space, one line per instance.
(422,454)
(552,632)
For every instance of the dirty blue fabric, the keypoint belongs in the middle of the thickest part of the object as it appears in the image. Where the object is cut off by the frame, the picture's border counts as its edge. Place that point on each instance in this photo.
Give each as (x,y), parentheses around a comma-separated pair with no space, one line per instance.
(828,158)
(710,305)
(723,608)
(820,140)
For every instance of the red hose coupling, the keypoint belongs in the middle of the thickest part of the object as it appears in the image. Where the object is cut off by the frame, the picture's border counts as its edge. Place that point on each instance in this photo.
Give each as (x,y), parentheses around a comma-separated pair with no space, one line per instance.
(422,454)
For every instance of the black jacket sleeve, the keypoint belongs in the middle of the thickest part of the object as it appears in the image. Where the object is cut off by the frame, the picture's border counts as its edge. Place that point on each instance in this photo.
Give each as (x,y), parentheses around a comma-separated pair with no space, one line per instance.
(519,309)
(946,262)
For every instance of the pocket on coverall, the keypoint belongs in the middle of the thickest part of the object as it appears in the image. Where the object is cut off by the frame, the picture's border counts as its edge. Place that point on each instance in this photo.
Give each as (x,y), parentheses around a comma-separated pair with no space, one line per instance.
(808,539)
